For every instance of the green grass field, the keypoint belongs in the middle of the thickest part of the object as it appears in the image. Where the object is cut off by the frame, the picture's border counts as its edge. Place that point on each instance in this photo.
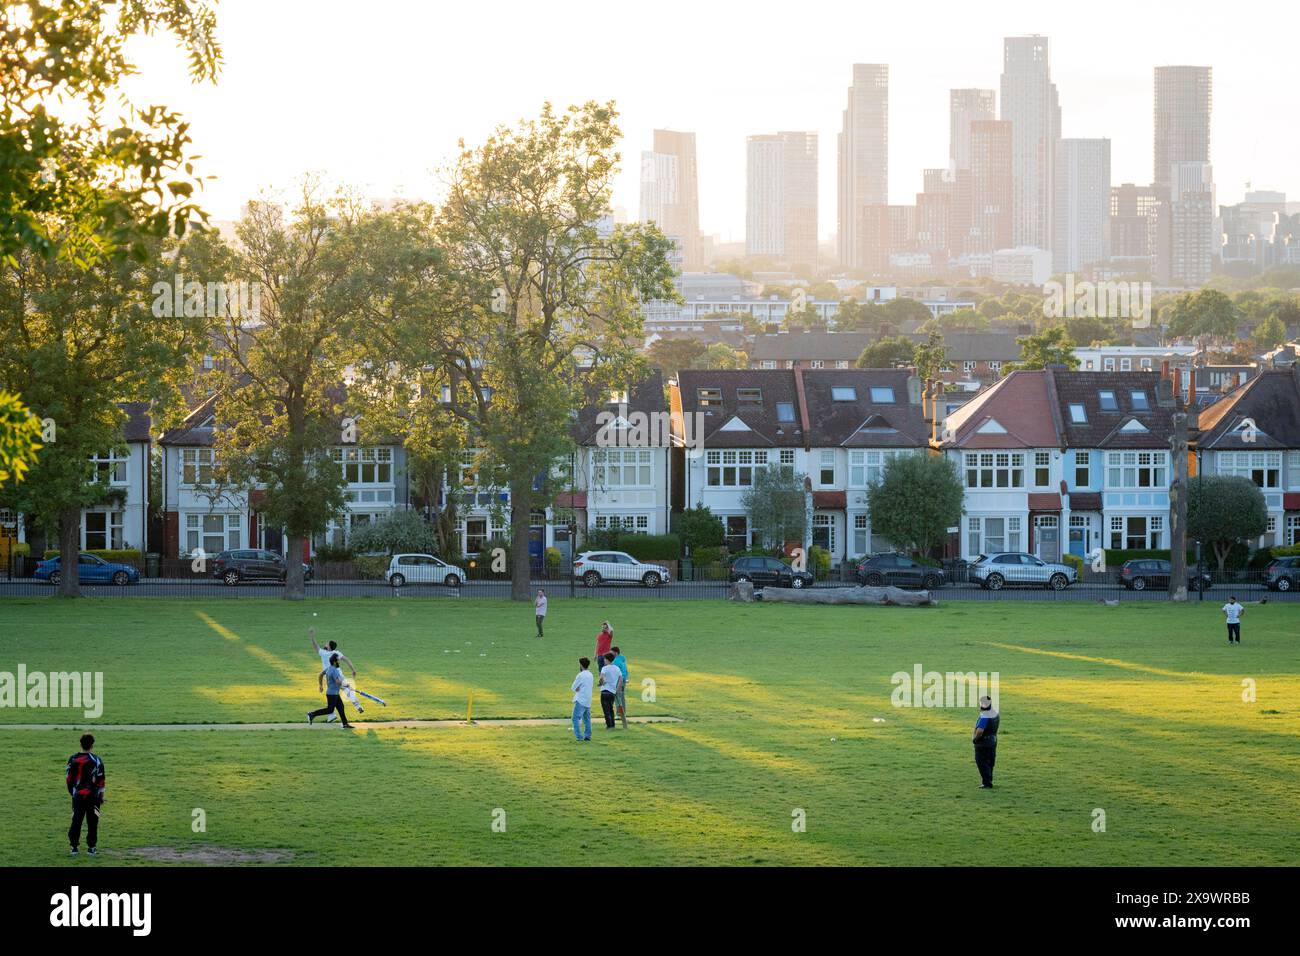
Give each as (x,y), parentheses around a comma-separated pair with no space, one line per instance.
(1134,710)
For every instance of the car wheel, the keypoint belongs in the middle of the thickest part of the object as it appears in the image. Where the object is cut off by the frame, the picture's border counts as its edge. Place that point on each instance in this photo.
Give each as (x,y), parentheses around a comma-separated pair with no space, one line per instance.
(742,577)
(930,583)
(994,582)
(56,577)
(1139,584)
(651,580)
(1284,584)
(1193,585)
(121,578)
(875,579)
(1058,582)
(452,580)
(796,582)
(230,578)
(591,579)
(397,580)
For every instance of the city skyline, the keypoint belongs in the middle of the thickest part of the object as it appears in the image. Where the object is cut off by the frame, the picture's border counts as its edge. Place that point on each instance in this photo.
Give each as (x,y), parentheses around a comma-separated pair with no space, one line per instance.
(1104,76)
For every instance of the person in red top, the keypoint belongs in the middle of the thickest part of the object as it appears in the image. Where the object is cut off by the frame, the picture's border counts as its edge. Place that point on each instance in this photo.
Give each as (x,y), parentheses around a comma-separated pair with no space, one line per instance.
(85,779)
(603,640)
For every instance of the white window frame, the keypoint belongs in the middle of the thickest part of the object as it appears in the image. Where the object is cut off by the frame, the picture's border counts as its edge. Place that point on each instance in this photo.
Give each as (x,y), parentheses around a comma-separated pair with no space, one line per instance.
(1264,468)
(1137,470)
(111,464)
(623,467)
(994,469)
(201,530)
(197,465)
(114,521)
(733,467)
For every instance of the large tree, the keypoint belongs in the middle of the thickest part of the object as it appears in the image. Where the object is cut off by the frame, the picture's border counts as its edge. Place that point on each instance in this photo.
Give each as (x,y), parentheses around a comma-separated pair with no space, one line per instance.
(887,353)
(525,298)
(282,409)
(1223,510)
(916,500)
(78,342)
(82,183)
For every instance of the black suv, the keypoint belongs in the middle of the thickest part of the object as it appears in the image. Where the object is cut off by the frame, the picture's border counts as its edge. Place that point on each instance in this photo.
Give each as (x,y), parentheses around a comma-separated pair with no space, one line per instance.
(889,567)
(1283,574)
(1140,574)
(252,564)
(768,572)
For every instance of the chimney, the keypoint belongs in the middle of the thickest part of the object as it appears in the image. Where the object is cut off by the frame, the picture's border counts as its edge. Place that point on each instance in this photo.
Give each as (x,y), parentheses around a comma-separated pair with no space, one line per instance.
(940,412)
(1174,381)
(913,390)
(1191,385)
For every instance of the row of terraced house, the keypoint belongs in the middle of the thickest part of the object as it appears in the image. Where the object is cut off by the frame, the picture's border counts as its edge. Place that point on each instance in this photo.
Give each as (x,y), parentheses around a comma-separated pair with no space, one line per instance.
(1053,462)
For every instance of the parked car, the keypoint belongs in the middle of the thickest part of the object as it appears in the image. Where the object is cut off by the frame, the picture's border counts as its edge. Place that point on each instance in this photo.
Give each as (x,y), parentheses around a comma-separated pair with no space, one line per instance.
(995,571)
(1283,574)
(890,567)
(768,572)
(91,569)
(597,567)
(422,569)
(1140,574)
(252,564)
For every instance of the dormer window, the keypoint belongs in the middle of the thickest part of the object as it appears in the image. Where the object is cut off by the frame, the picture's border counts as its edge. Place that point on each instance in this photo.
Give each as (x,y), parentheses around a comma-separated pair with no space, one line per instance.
(1107,398)
(749,396)
(1140,403)
(709,396)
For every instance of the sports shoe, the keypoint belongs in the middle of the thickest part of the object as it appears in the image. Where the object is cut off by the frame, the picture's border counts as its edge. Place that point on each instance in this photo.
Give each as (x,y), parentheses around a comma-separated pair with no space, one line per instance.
(986,786)
(347,726)
(360,709)
(311,718)
(74,851)
(93,852)
(331,718)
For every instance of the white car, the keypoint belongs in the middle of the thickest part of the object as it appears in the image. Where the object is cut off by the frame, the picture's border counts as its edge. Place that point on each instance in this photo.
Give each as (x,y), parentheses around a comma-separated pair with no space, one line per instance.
(596,567)
(422,569)
(996,571)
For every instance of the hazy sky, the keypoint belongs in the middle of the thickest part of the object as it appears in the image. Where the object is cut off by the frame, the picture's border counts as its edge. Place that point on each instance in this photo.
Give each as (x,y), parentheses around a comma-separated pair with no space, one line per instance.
(376,94)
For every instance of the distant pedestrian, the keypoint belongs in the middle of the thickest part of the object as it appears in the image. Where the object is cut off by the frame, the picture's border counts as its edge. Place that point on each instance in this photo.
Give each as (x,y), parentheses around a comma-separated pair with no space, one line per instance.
(611,681)
(621,704)
(1233,610)
(603,641)
(333,701)
(85,779)
(581,688)
(539,608)
(986,741)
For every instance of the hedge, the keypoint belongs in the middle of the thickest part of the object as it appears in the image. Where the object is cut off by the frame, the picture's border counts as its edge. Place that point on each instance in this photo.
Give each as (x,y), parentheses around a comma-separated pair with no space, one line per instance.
(651,547)
(1238,557)
(371,567)
(1285,552)
(122,556)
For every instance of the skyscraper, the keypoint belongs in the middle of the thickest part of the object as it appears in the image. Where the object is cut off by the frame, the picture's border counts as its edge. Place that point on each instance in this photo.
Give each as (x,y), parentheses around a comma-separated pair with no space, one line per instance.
(1191,239)
(991,189)
(670,192)
(781,197)
(1183,99)
(863,157)
(1030,103)
(1082,214)
(964,108)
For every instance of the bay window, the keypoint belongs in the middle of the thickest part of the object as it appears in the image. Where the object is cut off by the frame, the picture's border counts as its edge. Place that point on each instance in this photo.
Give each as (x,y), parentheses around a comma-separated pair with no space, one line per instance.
(1264,468)
(213,533)
(1137,532)
(733,468)
(622,468)
(365,466)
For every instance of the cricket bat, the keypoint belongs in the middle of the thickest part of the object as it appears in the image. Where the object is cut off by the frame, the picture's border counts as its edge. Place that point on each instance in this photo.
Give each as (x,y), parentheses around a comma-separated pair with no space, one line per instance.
(372,697)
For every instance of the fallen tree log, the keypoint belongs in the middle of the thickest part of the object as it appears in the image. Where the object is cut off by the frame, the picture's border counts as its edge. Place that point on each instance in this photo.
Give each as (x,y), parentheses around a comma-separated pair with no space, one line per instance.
(894,597)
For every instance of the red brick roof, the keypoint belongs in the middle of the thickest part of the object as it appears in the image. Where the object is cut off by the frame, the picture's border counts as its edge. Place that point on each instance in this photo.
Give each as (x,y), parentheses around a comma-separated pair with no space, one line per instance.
(1044,501)
(1019,403)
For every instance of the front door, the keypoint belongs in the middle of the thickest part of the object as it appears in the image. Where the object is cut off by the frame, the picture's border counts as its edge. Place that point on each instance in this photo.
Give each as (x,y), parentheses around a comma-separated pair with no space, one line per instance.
(1049,542)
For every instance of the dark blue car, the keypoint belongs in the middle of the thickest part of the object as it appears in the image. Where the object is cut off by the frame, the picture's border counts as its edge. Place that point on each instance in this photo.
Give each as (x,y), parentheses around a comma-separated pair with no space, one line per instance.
(90,570)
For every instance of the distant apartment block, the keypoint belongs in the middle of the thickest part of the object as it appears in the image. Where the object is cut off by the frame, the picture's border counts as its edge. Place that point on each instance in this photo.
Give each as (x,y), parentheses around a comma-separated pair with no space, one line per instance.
(863,157)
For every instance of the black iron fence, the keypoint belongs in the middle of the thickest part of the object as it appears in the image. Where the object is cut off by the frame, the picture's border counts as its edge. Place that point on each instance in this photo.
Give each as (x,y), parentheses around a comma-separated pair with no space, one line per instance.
(681,580)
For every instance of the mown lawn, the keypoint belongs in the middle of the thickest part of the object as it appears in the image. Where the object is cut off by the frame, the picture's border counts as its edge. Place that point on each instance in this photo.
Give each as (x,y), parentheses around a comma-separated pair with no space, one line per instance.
(1135,710)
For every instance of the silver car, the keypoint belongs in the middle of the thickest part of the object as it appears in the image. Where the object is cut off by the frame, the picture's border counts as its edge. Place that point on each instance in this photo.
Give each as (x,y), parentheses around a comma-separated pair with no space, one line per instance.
(996,571)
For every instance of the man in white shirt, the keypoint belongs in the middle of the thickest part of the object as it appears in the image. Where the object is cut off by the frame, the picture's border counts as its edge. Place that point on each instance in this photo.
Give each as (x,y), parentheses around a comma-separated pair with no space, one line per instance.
(611,679)
(539,607)
(1234,611)
(582,685)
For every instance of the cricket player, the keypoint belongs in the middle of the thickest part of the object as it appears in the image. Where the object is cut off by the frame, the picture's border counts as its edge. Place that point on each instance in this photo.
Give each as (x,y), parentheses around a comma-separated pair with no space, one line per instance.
(85,779)
(985,739)
(325,652)
(1233,612)
(620,700)
(332,700)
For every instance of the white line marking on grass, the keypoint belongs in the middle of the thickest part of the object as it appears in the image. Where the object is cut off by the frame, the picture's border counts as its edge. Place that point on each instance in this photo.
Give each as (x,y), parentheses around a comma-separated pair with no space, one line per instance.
(358,724)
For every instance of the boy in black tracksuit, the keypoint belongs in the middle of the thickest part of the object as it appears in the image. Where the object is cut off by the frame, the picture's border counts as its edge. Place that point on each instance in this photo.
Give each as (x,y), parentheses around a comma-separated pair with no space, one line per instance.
(85,779)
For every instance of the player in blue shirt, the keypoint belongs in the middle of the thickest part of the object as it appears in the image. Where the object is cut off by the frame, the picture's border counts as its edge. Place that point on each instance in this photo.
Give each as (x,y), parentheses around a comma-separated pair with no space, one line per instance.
(332,690)
(986,741)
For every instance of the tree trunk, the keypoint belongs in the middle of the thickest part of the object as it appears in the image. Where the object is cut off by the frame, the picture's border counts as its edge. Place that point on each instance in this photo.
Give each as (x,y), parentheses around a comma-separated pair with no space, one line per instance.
(294,588)
(521,509)
(69,550)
